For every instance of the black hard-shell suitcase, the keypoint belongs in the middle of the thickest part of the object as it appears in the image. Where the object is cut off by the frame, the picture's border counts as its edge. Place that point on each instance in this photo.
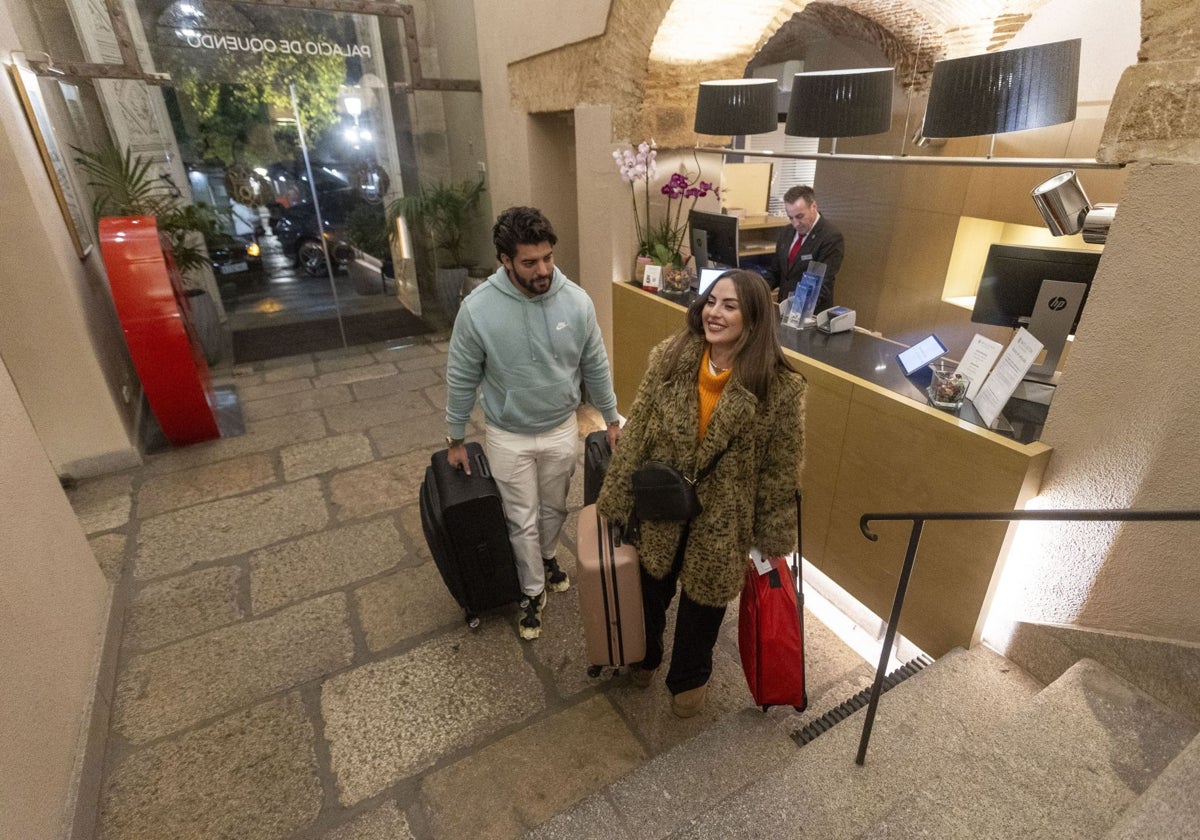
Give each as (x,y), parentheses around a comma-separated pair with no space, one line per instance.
(596,453)
(463,519)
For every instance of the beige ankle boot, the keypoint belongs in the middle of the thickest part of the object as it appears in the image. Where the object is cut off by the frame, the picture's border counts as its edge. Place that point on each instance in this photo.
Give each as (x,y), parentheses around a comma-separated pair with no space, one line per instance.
(685,704)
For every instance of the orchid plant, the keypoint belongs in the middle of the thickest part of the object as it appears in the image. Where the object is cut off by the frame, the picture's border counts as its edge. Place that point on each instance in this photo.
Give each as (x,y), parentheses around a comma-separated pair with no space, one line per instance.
(661,240)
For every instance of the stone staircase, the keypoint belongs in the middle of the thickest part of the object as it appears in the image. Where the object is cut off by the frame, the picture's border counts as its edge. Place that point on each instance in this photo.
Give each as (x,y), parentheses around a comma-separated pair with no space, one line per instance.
(970,747)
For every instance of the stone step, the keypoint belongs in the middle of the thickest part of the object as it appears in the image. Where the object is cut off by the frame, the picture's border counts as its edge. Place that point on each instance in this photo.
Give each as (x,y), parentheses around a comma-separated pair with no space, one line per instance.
(926,722)
(1079,753)
(657,797)
(748,743)
(1169,808)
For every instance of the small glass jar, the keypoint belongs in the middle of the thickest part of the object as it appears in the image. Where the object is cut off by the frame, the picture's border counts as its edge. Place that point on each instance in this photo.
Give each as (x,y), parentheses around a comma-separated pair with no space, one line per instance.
(948,388)
(675,280)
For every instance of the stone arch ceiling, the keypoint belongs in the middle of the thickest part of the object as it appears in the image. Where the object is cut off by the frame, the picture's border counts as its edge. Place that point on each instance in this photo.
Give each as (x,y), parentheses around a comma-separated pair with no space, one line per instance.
(652,55)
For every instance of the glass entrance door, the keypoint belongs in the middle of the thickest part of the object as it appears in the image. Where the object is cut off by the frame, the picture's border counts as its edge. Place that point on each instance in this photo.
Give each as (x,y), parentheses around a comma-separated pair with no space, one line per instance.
(283,120)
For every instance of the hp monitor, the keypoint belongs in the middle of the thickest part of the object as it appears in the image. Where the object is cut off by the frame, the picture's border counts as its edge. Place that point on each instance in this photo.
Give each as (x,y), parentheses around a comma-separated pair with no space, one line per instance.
(714,239)
(1013,292)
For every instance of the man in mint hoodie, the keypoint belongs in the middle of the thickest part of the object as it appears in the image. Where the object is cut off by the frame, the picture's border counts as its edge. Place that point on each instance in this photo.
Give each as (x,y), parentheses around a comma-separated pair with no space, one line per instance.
(525,340)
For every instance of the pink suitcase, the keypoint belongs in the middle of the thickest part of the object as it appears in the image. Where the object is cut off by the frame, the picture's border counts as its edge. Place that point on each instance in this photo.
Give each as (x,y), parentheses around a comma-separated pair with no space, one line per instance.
(610,594)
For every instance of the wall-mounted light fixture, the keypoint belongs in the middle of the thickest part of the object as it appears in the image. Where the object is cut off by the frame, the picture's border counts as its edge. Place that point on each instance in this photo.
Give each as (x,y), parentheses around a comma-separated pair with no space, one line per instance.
(1066,209)
(736,106)
(841,103)
(1007,90)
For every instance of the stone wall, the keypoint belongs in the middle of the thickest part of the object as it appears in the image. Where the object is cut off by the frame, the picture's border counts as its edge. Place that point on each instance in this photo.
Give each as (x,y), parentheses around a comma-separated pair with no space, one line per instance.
(609,69)
(1155,115)
(656,97)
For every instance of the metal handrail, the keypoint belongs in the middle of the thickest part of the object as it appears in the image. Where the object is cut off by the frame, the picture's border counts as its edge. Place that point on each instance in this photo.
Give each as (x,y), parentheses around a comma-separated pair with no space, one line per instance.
(918,522)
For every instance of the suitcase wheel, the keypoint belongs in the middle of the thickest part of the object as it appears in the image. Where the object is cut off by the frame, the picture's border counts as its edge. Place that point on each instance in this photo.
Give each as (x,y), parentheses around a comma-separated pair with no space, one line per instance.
(472,621)
(594,671)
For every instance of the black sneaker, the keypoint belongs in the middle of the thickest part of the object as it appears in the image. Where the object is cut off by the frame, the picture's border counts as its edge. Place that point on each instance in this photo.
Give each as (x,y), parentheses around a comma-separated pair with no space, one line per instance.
(530,625)
(556,578)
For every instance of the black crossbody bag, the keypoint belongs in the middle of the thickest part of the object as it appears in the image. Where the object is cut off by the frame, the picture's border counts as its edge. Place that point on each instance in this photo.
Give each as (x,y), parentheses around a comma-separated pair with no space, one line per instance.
(662,492)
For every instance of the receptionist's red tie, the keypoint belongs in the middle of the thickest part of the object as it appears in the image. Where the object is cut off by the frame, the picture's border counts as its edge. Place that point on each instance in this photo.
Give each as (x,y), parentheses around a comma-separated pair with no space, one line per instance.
(795,249)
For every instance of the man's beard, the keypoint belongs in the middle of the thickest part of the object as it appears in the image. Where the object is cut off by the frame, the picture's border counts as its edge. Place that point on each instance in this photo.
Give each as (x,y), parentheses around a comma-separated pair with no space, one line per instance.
(531,285)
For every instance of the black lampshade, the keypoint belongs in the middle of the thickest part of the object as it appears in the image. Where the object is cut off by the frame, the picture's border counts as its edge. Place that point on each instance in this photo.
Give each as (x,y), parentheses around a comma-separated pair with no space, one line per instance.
(736,106)
(841,103)
(1010,90)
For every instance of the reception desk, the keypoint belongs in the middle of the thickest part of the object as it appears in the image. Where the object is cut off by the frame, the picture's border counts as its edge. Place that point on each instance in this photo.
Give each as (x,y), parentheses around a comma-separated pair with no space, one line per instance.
(872,444)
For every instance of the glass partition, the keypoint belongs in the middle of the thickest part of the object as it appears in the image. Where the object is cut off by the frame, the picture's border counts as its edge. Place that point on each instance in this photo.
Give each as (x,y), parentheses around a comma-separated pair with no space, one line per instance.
(285,122)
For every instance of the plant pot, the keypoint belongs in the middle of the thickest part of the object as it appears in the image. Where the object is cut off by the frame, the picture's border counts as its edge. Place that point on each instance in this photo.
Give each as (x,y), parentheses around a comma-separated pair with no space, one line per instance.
(366,274)
(473,282)
(206,323)
(639,268)
(449,289)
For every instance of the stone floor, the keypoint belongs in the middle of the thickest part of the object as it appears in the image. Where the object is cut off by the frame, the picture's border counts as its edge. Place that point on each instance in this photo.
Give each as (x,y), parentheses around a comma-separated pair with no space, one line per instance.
(292,666)
(282,293)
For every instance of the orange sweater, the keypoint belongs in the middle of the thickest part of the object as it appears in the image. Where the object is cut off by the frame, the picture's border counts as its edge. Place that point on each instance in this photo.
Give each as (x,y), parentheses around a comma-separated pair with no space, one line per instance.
(710,385)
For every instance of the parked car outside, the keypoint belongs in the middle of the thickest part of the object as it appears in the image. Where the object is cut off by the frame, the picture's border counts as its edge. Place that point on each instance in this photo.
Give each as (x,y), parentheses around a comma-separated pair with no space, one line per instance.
(298,236)
(294,218)
(237,258)
(235,252)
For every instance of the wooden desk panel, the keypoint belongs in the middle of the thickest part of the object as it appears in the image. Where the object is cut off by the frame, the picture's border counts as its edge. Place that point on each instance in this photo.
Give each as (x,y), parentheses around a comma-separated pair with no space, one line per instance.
(826,411)
(899,456)
(640,321)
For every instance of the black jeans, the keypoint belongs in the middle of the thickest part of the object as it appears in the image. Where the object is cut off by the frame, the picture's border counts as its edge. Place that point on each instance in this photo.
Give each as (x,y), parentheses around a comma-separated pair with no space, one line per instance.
(696,629)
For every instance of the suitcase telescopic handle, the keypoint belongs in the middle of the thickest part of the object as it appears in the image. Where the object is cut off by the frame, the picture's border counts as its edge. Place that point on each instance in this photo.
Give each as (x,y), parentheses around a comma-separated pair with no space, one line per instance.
(800,591)
(799,557)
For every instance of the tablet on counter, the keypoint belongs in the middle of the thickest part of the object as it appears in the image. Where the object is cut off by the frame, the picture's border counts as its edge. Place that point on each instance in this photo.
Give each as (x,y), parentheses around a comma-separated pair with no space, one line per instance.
(921,354)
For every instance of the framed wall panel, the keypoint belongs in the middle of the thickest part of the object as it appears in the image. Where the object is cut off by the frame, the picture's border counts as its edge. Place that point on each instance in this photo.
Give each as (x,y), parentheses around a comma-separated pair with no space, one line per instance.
(62,178)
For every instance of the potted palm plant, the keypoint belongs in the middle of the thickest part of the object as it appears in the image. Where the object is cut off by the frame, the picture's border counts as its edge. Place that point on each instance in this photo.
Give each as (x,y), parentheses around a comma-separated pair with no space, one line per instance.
(443,213)
(125,185)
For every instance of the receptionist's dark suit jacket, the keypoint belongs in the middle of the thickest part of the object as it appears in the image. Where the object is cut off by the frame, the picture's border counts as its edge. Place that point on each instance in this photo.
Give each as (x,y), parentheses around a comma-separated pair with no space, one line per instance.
(823,244)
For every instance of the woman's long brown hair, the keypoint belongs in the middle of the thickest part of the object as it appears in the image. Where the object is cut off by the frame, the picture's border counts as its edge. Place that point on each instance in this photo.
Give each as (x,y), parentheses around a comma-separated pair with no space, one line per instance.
(757,354)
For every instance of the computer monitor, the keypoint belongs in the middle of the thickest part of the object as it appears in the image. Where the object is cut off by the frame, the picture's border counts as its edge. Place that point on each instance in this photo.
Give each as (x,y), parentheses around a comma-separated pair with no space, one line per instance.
(708,276)
(714,239)
(1011,293)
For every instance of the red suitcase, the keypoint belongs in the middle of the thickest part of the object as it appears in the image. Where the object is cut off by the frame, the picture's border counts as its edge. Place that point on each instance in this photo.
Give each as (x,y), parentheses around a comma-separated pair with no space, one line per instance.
(771,632)
(610,594)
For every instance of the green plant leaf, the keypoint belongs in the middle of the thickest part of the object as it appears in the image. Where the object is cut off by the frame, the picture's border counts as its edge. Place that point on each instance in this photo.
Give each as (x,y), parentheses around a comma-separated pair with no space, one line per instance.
(125,185)
(443,211)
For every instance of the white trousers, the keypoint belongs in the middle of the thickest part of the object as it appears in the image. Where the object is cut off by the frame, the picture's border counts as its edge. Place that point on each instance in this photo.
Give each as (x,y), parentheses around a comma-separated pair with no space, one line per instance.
(534,473)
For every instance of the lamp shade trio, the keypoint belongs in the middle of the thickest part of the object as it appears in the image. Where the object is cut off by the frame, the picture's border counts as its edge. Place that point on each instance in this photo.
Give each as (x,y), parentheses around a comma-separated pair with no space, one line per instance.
(992,93)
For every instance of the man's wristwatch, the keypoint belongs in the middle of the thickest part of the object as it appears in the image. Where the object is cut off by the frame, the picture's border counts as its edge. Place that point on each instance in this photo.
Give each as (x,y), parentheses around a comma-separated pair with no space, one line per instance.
(453,442)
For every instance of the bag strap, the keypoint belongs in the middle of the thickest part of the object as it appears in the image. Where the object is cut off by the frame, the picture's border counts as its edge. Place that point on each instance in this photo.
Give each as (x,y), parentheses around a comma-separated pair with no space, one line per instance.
(712,465)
